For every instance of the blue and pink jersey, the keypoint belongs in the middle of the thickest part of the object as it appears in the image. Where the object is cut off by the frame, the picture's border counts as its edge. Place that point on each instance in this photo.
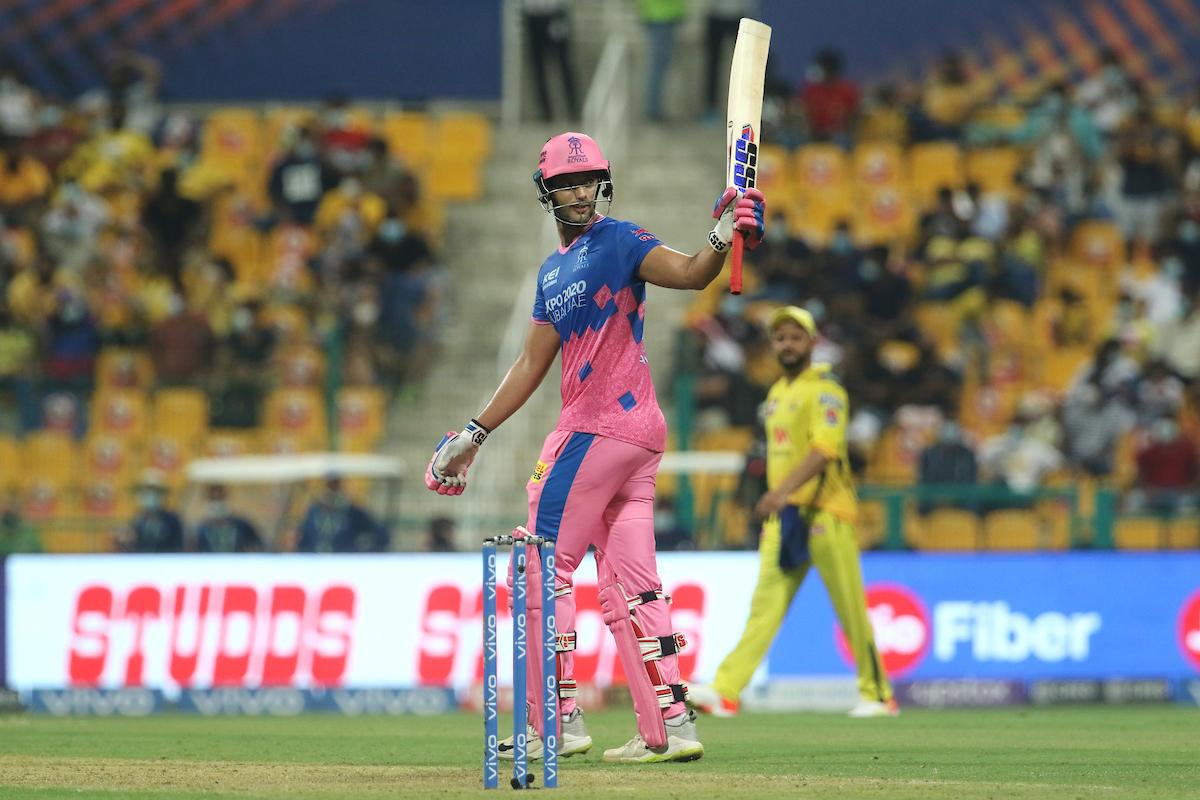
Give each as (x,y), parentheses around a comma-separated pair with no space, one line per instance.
(592,296)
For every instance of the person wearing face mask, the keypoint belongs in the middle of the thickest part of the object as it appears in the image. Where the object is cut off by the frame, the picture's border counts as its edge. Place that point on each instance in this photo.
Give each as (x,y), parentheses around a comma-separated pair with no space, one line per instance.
(333,523)
(830,101)
(222,530)
(1168,471)
(155,528)
(349,213)
(299,179)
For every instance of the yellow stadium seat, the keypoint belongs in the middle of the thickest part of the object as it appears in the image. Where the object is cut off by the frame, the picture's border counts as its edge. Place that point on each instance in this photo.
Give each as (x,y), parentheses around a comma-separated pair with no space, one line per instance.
(361,414)
(885,214)
(736,439)
(815,216)
(895,457)
(288,252)
(932,166)
(820,167)
(288,320)
(947,529)
(181,412)
(120,368)
(463,135)
(1141,533)
(109,458)
(49,457)
(361,118)
(120,412)
(10,464)
(233,142)
(46,500)
(170,455)
(448,177)
(773,176)
(302,365)
(298,412)
(1098,243)
(1060,365)
(994,168)
(878,164)
(1005,117)
(871,525)
(102,499)
(409,136)
(1021,530)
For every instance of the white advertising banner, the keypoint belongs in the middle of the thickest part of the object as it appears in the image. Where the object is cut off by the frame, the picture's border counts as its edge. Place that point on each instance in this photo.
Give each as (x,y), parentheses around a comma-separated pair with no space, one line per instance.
(197,621)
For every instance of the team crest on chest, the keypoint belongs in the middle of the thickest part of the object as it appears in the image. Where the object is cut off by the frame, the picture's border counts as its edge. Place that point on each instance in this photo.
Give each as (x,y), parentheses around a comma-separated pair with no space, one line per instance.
(581,260)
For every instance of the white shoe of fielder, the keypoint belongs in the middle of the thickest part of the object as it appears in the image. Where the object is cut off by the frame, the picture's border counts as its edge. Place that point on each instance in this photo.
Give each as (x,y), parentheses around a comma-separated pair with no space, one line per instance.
(682,745)
(705,699)
(574,740)
(875,708)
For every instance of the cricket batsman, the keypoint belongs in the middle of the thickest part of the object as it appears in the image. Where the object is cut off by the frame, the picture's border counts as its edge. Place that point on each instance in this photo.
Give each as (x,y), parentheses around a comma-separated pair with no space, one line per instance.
(594,481)
(809,509)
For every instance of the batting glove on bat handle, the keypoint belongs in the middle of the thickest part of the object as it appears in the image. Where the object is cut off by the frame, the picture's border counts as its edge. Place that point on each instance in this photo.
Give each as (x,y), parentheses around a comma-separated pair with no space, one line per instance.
(749,217)
(454,449)
(721,236)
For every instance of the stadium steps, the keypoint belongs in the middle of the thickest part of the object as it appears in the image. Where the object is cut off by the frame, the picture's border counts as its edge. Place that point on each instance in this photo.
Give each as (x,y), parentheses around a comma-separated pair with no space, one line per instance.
(489,247)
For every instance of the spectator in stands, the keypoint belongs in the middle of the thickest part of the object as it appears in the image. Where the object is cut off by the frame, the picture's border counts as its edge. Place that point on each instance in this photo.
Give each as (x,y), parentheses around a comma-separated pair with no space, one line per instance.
(182,345)
(390,178)
(548,33)
(117,158)
(1017,461)
(344,140)
(18,367)
(1021,263)
(440,536)
(132,80)
(18,104)
(1185,243)
(299,179)
(54,139)
(990,213)
(1071,324)
(1110,369)
(24,181)
(661,19)
(16,536)
(72,343)
(949,461)
(1093,421)
(170,218)
(1064,140)
(1168,472)
(1109,94)
(334,524)
(1147,160)
(722,388)
(71,227)
(155,528)
(721,27)
(348,215)
(830,100)
(1179,344)
(222,530)
(884,118)
(669,532)
(946,101)
(944,219)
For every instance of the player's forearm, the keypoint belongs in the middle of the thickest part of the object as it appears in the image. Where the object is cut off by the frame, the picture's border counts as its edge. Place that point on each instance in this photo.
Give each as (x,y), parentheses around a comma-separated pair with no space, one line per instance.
(704,267)
(518,385)
(809,468)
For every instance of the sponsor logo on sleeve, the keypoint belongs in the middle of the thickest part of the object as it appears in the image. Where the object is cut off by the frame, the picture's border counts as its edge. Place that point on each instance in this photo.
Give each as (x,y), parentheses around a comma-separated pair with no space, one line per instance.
(539,472)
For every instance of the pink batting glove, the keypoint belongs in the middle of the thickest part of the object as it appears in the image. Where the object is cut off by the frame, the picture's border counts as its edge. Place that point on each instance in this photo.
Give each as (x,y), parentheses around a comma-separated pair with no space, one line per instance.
(749,217)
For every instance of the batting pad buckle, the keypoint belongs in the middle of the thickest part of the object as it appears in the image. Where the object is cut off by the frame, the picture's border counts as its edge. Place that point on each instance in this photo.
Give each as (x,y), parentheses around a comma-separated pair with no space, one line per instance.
(670,693)
(655,647)
(567,688)
(565,642)
(648,597)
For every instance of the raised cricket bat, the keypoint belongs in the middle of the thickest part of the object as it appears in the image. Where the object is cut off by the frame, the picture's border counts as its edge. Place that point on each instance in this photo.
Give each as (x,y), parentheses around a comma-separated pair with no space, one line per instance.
(744,117)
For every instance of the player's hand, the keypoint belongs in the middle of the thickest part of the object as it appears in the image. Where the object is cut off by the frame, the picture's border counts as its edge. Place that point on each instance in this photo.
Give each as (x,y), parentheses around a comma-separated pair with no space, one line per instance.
(447,472)
(749,217)
(770,503)
(736,212)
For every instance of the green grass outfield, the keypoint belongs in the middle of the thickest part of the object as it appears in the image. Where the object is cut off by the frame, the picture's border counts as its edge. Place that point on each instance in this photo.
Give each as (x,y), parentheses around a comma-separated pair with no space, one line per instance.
(1093,752)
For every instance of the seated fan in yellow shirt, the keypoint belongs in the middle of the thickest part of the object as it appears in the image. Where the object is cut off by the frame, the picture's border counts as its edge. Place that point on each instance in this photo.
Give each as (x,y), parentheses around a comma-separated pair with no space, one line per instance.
(809,509)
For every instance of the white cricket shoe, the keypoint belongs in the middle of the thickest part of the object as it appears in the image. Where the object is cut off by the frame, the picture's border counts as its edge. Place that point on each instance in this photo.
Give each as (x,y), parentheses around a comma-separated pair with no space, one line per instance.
(682,745)
(875,708)
(574,739)
(705,699)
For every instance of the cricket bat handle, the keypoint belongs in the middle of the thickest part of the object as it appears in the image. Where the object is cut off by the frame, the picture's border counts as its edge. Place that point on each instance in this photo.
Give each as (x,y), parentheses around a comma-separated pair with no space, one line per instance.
(735,264)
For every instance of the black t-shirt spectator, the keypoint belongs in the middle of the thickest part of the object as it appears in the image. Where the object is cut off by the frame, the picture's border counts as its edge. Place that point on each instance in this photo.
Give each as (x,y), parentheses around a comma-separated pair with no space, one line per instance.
(227,534)
(157,531)
(297,184)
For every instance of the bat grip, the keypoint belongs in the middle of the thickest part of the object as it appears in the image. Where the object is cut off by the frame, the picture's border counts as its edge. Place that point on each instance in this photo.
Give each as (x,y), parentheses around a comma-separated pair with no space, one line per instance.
(735,264)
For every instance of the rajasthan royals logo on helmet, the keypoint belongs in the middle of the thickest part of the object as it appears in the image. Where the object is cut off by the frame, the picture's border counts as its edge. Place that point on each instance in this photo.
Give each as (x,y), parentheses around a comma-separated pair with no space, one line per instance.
(575,150)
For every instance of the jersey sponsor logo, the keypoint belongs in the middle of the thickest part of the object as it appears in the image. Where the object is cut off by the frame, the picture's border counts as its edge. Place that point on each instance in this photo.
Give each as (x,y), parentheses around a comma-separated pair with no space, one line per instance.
(831,400)
(539,472)
(550,278)
(782,436)
(831,417)
(572,297)
(1189,629)
(644,235)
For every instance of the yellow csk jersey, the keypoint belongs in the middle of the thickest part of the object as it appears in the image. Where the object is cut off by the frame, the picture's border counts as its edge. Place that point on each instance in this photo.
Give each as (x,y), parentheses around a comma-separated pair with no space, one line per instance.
(805,413)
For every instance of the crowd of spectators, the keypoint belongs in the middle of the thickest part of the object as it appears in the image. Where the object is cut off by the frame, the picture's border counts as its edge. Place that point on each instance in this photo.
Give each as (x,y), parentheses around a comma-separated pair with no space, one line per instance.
(985,337)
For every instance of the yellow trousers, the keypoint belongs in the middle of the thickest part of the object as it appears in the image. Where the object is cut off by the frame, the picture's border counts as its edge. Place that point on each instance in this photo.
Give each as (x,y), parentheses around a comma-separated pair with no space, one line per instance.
(834,552)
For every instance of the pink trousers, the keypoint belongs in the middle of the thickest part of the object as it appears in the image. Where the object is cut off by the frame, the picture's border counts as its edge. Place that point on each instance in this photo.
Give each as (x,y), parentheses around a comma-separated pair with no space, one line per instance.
(592,490)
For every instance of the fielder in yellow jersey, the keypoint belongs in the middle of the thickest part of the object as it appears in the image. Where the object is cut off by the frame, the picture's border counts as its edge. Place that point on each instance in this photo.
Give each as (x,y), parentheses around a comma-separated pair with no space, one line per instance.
(809,509)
